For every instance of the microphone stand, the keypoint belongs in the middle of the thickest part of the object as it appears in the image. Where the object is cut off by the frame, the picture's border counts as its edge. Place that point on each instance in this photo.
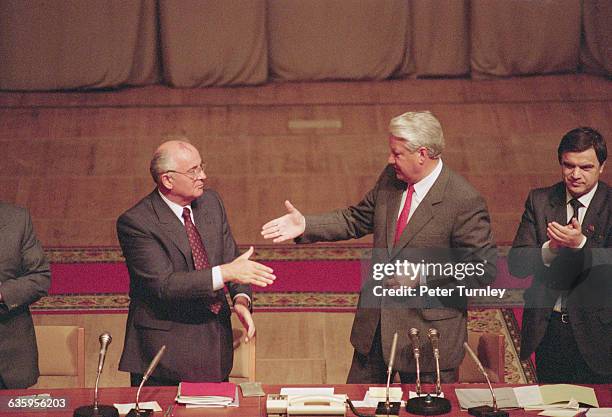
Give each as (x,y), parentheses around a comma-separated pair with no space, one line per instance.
(137,412)
(97,410)
(429,405)
(416,352)
(484,410)
(388,408)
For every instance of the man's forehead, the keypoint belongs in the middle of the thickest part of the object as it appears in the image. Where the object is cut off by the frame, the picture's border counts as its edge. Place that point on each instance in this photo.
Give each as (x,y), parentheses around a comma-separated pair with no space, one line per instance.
(395,141)
(587,155)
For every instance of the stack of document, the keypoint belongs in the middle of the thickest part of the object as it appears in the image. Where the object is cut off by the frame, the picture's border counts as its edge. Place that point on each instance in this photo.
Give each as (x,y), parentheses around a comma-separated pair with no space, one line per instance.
(556,400)
(207,394)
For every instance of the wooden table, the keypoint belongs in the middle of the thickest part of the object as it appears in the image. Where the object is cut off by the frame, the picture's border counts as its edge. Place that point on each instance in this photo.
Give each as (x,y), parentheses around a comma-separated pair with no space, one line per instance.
(249,407)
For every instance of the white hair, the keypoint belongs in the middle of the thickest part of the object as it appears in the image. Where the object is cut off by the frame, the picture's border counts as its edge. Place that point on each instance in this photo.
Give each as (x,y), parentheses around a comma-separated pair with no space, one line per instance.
(419,129)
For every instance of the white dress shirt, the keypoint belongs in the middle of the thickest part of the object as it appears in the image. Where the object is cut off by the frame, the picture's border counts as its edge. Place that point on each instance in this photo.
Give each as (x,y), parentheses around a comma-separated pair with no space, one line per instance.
(217,276)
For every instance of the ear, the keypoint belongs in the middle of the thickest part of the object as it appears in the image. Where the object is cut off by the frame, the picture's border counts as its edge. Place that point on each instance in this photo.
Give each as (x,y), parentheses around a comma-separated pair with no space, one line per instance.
(601,168)
(166,180)
(423,153)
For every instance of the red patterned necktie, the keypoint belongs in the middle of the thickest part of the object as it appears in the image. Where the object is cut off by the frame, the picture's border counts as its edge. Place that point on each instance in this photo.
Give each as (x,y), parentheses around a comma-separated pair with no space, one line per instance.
(402,221)
(200,258)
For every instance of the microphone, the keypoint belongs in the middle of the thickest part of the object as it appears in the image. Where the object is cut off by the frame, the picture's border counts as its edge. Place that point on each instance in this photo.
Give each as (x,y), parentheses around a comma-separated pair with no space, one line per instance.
(388,408)
(484,410)
(430,405)
(137,412)
(105,340)
(97,410)
(434,338)
(416,352)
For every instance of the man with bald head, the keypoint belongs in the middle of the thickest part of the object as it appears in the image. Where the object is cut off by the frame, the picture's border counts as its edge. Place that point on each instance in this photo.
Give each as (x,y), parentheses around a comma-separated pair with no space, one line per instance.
(181,255)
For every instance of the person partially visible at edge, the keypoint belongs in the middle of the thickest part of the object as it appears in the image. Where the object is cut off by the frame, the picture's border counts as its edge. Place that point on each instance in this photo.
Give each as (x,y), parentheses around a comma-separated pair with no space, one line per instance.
(25,277)
(564,242)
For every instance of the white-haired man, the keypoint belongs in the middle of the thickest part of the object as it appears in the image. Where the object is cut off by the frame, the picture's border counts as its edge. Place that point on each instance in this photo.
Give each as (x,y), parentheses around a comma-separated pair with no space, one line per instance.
(180,254)
(419,211)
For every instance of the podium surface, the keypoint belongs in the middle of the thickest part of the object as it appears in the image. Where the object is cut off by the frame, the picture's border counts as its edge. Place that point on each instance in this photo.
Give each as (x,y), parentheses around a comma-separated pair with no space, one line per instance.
(249,407)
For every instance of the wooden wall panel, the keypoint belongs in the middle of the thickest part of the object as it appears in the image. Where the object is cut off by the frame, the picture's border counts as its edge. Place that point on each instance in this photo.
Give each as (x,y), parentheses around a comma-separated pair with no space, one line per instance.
(78,160)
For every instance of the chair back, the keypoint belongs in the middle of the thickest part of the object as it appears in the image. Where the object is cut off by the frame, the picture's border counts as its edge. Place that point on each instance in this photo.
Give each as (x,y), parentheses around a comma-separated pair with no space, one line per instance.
(61,353)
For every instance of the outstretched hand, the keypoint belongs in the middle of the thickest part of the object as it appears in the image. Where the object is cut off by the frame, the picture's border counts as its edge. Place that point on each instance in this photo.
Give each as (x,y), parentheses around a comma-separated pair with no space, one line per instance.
(287,227)
(244,271)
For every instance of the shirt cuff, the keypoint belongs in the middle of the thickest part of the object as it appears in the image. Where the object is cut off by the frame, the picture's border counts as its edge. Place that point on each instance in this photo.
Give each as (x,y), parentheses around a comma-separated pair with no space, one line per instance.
(548,254)
(242,295)
(217,279)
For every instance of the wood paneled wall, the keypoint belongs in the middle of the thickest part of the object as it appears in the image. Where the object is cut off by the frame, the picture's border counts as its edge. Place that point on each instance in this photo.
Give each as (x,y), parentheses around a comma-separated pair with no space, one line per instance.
(79,159)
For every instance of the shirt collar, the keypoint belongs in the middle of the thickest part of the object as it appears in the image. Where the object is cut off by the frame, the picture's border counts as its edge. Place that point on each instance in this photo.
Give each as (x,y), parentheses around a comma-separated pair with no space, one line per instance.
(584,199)
(422,187)
(177,209)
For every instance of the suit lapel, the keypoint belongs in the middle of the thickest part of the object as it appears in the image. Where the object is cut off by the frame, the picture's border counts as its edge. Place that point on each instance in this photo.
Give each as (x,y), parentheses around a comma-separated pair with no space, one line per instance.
(424,212)
(172,226)
(591,222)
(558,209)
(204,225)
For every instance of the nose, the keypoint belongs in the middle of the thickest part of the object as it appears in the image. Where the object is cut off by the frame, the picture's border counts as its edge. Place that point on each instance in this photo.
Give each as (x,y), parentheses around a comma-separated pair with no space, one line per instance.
(391,159)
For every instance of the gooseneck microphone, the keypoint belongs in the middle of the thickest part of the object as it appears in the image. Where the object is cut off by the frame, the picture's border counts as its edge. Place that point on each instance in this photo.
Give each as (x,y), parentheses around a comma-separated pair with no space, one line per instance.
(388,408)
(430,405)
(416,352)
(137,412)
(105,340)
(97,410)
(484,410)
(434,338)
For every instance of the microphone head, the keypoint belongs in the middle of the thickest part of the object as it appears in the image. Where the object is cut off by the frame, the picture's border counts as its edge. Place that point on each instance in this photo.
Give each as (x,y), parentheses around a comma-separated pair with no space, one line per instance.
(433,333)
(413,332)
(105,339)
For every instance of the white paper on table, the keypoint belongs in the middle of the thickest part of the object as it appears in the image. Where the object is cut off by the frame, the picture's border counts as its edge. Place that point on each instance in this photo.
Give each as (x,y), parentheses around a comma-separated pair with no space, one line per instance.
(529,395)
(561,412)
(474,397)
(325,391)
(413,394)
(395,393)
(150,405)
(570,405)
(370,402)
(599,412)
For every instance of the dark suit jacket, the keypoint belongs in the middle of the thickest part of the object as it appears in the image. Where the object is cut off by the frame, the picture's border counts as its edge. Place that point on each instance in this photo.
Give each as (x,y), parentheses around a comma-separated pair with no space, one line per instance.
(24,278)
(452,215)
(169,297)
(585,276)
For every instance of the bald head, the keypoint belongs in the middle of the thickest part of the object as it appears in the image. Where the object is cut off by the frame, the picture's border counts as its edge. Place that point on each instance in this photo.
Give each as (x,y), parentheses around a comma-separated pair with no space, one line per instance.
(169,155)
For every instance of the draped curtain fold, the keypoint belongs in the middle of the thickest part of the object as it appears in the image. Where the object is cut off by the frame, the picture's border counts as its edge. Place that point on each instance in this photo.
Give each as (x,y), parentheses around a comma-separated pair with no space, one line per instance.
(88,44)
(77,44)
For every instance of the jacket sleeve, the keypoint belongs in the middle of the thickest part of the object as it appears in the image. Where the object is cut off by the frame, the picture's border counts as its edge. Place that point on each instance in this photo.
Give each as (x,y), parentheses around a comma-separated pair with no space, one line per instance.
(34,275)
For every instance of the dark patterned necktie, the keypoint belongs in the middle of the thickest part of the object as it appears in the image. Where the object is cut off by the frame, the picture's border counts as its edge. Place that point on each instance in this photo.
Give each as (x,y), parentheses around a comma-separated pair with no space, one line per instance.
(200,258)
(575,207)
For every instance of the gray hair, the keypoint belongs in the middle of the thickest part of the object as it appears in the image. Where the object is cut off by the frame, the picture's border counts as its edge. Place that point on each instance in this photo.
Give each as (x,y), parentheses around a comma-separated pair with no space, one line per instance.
(163,160)
(419,129)
(161,163)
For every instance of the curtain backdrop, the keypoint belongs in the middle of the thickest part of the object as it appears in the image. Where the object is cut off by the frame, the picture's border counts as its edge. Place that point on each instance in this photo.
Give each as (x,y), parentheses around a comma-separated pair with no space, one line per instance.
(83,44)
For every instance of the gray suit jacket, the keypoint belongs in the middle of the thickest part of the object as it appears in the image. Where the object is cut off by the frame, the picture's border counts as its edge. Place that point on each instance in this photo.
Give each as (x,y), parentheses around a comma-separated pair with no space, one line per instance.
(454,216)
(169,297)
(585,276)
(24,278)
